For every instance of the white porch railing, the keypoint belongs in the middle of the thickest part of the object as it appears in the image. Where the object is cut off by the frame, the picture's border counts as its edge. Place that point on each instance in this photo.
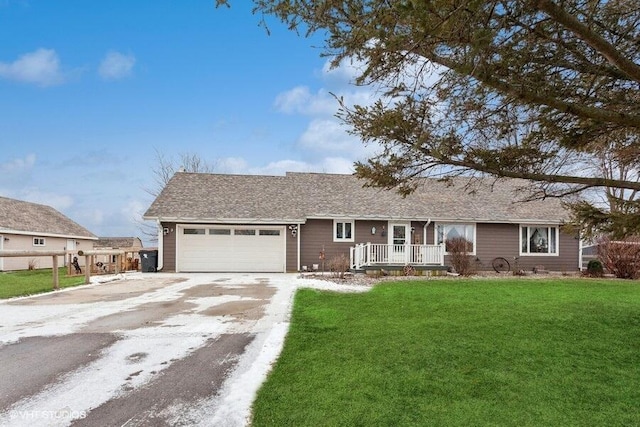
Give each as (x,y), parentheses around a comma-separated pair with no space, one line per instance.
(371,254)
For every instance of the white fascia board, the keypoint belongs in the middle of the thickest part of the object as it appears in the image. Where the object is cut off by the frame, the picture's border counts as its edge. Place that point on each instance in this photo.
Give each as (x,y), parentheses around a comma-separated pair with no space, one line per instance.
(441,219)
(369,218)
(233,220)
(499,221)
(41,234)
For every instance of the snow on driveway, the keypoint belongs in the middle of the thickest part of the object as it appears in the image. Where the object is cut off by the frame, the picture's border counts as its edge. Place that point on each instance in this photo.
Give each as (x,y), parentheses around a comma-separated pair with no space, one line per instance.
(88,355)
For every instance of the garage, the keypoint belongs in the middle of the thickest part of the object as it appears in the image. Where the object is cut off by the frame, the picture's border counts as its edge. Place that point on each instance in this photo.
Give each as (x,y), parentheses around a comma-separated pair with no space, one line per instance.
(230,248)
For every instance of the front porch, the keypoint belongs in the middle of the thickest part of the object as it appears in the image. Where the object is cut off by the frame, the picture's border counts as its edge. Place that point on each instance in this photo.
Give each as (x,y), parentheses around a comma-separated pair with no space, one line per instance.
(367,255)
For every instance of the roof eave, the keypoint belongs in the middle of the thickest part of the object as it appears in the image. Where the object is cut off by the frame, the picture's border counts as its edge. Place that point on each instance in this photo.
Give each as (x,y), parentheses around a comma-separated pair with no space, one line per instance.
(184,220)
(38,233)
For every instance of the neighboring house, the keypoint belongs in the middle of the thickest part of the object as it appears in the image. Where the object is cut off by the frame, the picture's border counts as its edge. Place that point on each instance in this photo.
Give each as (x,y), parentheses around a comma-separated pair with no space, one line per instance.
(31,226)
(251,223)
(131,246)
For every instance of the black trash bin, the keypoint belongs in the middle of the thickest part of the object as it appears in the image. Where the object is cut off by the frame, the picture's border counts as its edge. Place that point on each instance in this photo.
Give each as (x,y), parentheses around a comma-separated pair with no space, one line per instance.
(149,260)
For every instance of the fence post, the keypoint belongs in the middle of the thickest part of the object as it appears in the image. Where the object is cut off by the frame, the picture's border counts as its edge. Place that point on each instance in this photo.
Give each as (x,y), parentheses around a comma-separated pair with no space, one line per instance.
(56,282)
(87,269)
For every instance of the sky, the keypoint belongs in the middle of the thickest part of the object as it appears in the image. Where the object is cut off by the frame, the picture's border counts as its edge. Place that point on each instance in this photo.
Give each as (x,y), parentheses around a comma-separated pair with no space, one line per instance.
(91,93)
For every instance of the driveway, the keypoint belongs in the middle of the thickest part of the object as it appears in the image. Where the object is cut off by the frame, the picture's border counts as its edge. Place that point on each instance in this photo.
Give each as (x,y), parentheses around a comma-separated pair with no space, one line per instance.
(144,349)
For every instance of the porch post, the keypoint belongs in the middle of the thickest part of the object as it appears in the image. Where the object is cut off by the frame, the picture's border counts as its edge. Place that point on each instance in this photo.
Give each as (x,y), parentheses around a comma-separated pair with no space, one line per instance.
(352,262)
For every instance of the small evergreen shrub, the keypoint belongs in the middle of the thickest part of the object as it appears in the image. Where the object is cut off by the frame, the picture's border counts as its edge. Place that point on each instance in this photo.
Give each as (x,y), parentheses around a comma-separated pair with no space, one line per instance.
(595,269)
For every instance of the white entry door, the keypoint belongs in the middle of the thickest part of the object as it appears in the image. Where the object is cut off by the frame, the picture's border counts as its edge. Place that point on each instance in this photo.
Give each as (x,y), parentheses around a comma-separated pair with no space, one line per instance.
(399,237)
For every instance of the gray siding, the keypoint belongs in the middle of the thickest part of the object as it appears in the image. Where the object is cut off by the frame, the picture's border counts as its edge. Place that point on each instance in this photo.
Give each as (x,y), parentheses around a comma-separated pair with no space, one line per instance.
(503,240)
(317,234)
(169,247)
(291,260)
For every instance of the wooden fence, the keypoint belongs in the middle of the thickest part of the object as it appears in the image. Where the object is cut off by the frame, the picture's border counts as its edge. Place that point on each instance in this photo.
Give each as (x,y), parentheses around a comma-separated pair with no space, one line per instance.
(89,256)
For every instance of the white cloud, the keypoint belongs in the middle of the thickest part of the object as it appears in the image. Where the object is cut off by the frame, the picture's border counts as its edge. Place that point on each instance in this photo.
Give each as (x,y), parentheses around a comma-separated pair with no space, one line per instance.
(344,74)
(300,100)
(91,218)
(132,211)
(41,67)
(19,165)
(236,165)
(116,65)
(324,135)
(59,202)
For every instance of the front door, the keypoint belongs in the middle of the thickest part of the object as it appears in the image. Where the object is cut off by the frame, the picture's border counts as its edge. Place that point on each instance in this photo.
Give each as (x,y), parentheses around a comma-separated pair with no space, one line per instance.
(399,237)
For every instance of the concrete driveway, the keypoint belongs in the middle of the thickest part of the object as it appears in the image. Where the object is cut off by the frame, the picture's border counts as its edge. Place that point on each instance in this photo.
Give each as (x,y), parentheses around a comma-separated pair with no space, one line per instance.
(145,349)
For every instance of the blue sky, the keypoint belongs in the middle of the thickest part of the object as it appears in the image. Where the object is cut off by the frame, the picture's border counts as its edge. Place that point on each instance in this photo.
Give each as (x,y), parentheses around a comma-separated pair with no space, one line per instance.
(90,91)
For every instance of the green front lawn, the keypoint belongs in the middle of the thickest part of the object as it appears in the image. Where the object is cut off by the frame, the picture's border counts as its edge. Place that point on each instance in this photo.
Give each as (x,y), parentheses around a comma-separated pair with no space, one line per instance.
(463,352)
(28,282)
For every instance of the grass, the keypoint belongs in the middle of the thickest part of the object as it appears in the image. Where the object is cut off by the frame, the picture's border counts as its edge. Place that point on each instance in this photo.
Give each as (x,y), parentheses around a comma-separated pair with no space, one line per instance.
(28,282)
(453,353)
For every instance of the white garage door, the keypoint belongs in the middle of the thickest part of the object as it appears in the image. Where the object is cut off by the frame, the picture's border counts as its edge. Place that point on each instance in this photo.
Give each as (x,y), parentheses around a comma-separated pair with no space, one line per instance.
(234,248)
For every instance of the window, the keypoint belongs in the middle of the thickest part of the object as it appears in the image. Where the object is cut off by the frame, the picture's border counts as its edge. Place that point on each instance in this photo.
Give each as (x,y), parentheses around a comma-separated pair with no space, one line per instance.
(194,231)
(220,231)
(244,232)
(446,232)
(269,232)
(38,241)
(343,231)
(537,240)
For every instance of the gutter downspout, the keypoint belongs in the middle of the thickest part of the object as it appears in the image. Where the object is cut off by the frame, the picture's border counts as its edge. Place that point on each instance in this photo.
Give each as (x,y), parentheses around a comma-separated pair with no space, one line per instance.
(580,247)
(424,231)
(298,235)
(160,246)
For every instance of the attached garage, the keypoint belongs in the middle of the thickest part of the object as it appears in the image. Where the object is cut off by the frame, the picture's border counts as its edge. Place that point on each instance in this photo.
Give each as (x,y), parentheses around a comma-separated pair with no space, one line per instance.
(230,248)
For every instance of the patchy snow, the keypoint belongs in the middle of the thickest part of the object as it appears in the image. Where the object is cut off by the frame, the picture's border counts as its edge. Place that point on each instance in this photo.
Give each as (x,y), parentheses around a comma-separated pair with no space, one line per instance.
(162,343)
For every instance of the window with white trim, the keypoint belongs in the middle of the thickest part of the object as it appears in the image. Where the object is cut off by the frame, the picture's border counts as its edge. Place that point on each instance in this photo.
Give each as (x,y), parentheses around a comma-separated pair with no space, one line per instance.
(244,232)
(220,231)
(538,240)
(343,231)
(450,231)
(38,241)
(194,231)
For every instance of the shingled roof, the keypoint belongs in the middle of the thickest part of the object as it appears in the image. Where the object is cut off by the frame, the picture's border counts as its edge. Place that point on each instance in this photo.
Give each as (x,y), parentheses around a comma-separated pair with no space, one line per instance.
(118,242)
(20,217)
(193,197)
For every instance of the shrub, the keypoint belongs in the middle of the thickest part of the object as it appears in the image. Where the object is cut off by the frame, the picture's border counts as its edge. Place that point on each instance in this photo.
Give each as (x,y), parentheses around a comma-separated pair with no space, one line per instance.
(339,265)
(621,258)
(461,261)
(32,264)
(595,269)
